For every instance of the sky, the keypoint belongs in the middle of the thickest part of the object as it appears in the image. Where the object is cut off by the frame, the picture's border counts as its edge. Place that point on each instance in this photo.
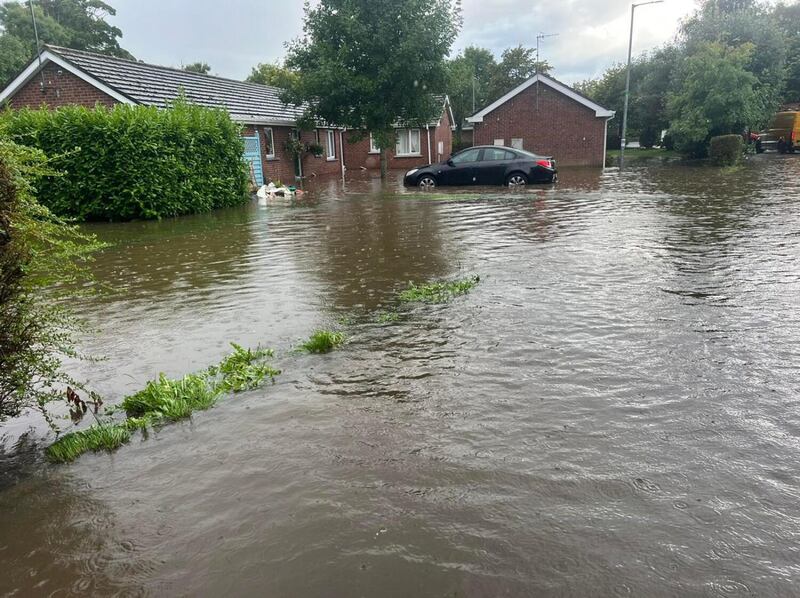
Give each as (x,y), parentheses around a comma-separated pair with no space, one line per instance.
(234,35)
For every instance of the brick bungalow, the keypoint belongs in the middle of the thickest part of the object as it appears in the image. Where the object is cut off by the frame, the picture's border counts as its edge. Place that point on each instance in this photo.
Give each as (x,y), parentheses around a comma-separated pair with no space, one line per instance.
(72,77)
(546,117)
(415,145)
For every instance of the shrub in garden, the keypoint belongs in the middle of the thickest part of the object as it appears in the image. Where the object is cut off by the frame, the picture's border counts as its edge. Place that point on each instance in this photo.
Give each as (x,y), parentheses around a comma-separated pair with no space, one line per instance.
(726,150)
(132,162)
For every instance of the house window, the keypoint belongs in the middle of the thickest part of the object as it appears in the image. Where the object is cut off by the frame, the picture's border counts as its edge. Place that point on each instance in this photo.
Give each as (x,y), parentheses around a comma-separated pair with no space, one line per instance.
(517,144)
(269,142)
(331,145)
(373,146)
(408,142)
(499,141)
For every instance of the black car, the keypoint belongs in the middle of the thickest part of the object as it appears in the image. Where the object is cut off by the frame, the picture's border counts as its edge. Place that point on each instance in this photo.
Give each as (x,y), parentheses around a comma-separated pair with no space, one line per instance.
(485,165)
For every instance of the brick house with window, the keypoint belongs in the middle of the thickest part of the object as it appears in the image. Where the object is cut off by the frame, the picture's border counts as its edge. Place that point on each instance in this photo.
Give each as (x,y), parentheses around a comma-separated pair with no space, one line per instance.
(72,77)
(415,145)
(546,117)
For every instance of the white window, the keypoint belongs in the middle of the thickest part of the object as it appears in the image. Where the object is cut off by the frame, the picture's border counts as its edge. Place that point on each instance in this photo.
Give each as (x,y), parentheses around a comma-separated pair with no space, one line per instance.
(517,144)
(331,144)
(499,141)
(408,142)
(269,141)
(440,148)
(373,146)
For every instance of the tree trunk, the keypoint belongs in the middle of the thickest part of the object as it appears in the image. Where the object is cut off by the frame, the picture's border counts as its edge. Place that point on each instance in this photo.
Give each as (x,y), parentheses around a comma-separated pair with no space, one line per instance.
(384,164)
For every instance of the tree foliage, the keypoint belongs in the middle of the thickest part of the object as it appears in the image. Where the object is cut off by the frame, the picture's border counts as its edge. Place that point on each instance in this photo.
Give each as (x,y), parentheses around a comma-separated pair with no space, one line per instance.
(732,64)
(77,24)
(275,75)
(201,68)
(136,161)
(37,250)
(516,66)
(370,64)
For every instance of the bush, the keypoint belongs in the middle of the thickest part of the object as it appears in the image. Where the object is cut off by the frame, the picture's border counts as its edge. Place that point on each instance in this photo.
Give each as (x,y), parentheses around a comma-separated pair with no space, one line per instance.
(133,162)
(726,150)
(37,250)
(649,137)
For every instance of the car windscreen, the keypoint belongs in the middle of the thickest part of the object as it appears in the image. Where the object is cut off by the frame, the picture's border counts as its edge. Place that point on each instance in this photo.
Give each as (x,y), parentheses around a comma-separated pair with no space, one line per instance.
(524,154)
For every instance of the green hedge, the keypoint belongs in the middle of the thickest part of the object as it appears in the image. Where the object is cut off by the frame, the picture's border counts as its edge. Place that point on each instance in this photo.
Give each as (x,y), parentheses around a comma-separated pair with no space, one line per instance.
(726,150)
(134,162)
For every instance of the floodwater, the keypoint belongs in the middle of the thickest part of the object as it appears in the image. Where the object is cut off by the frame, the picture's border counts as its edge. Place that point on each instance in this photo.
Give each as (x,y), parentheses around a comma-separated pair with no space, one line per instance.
(613,411)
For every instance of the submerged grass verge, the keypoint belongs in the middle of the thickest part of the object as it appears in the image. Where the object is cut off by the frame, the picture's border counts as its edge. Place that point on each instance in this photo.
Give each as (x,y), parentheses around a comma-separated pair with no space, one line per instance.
(323,341)
(166,400)
(438,292)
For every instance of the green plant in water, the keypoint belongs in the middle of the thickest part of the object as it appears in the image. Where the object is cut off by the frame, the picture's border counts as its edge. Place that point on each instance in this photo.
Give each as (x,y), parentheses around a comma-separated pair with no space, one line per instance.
(388,317)
(244,369)
(95,439)
(438,292)
(172,399)
(323,341)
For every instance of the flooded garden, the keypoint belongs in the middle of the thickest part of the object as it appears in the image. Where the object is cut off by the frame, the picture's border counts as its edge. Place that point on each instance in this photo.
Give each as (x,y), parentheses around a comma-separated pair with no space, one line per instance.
(610,407)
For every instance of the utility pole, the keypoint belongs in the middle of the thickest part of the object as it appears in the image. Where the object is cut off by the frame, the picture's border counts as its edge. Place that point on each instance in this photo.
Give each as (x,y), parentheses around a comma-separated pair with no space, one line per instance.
(38,45)
(624,141)
(539,38)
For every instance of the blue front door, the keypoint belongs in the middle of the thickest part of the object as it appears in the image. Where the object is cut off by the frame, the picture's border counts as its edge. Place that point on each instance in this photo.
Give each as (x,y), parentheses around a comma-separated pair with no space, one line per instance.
(252,153)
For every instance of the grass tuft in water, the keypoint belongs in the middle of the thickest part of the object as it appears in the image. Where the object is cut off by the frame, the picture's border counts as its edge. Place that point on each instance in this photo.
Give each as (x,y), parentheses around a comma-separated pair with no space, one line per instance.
(244,369)
(95,439)
(172,399)
(165,400)
(388,317)
(323,341)
(438,292)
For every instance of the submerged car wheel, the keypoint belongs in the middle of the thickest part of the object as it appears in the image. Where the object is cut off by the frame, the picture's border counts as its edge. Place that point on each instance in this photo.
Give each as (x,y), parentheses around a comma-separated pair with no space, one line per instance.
(517,180)
(427,182)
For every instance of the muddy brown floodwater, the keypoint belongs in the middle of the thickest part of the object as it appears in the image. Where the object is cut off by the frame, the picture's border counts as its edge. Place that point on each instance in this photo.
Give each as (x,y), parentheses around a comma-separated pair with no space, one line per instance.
(613,411)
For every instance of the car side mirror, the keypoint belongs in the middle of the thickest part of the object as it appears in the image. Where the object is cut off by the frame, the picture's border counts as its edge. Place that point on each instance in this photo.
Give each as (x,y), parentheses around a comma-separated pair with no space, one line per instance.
(450,162)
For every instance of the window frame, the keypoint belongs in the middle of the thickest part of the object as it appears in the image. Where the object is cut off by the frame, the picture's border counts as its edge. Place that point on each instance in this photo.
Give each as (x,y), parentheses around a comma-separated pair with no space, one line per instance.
(407,133)
(269,143)
(373,149)
(330,150)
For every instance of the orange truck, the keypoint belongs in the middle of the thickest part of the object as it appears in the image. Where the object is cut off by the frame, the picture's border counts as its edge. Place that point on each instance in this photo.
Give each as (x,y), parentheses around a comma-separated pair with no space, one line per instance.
(783,134)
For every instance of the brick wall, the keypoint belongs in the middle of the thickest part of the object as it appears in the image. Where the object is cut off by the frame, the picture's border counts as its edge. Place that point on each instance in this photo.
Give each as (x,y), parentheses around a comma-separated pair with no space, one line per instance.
(358,155)
(561,127)
(61,88)
(282,166)
(443,134)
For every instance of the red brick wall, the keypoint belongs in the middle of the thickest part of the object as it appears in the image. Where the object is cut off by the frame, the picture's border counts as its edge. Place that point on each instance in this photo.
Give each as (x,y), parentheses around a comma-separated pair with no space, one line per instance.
(282,166)
(444,134)
(358,156)
(561,127)
(62,88)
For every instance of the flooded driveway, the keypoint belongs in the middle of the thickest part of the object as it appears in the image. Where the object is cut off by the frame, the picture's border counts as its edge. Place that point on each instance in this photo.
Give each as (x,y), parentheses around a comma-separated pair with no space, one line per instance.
(614,410)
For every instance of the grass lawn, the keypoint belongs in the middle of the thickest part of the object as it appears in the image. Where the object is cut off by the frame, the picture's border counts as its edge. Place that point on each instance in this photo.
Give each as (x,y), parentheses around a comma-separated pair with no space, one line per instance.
(642,154)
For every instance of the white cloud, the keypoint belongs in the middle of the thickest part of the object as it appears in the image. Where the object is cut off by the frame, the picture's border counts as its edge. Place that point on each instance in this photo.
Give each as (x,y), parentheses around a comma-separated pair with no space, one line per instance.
(234,35)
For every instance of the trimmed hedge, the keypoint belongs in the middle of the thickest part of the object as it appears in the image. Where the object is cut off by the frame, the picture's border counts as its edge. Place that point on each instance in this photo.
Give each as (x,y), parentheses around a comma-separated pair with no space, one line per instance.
(726,150)
(133,162)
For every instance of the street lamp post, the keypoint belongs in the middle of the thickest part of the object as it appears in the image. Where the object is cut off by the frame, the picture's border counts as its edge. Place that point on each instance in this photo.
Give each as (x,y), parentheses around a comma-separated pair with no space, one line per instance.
(623,141)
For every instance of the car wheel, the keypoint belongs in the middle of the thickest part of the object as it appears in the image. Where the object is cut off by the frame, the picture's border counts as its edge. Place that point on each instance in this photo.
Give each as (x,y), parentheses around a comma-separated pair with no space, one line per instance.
(426,182)
(517,180)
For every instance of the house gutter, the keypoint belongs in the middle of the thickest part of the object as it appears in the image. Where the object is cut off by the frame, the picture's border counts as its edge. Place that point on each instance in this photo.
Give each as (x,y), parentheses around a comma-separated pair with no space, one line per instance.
(428,128)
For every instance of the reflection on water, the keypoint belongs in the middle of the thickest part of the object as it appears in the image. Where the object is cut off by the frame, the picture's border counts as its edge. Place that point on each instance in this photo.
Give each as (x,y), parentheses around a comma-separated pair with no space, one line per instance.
(613,411)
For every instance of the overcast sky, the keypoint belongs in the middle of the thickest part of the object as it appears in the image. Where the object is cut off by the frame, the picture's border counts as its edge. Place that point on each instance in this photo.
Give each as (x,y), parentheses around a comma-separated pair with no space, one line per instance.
(234,35)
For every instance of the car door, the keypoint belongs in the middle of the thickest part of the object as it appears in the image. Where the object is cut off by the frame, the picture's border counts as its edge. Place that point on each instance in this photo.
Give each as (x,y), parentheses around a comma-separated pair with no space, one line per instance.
(492,168)
(459,170)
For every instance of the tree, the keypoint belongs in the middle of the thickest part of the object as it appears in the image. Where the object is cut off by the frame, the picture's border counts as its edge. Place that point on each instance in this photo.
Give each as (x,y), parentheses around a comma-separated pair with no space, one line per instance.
(516,66)
(370,65)
(275,75)
(77,24)
(716,96)
(468,76)
(788,20)
(197,67)
(13,56)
